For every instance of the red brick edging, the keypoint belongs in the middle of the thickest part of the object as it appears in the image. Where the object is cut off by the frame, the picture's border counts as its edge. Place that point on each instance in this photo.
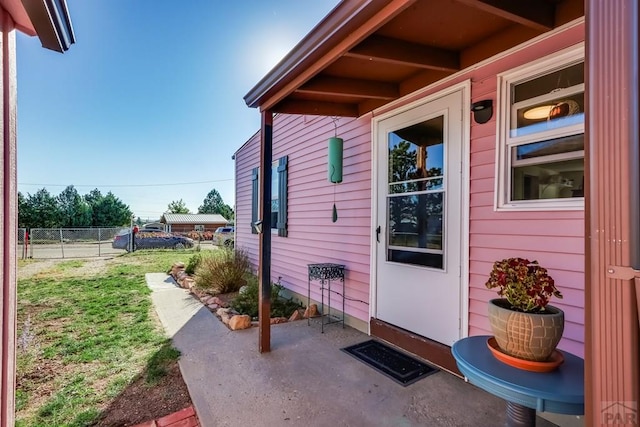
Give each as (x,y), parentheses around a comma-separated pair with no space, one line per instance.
(184,418)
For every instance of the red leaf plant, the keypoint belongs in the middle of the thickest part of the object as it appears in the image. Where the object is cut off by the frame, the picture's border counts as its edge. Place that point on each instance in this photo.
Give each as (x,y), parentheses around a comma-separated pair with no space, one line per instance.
(525,284)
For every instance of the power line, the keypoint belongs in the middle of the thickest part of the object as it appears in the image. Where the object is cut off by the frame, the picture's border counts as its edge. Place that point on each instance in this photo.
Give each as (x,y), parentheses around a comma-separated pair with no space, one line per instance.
(128,185)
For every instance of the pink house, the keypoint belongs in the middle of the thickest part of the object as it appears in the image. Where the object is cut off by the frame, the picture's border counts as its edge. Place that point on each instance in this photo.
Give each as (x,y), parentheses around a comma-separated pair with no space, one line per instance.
(470,130)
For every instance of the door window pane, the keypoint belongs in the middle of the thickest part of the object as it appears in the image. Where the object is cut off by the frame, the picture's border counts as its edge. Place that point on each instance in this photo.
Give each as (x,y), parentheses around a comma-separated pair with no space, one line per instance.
(416,221)
(415,202)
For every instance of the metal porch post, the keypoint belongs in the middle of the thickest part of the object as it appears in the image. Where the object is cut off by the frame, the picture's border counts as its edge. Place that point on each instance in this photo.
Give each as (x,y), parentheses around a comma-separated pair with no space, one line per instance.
(612,213)
(264,274)
(8,217)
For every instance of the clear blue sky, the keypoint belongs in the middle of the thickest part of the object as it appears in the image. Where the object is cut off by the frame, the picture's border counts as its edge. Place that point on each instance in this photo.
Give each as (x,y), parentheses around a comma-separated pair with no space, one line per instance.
(149,101)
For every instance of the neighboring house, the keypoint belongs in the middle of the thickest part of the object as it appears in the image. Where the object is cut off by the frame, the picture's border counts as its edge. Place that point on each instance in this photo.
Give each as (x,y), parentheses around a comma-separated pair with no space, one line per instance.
(50,21)
(183,223)
(465,142)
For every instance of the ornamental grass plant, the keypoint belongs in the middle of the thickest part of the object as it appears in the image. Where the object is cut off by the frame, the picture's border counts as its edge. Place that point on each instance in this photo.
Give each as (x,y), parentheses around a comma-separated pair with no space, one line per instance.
(223,271)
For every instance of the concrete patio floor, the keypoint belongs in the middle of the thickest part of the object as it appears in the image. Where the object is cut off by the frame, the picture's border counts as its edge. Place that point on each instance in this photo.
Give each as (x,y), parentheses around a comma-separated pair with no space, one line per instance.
(305,379)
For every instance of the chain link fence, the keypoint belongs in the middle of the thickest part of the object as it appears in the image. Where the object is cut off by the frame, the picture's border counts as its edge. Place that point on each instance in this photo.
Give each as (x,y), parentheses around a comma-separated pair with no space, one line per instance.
(22,248)
(67,242)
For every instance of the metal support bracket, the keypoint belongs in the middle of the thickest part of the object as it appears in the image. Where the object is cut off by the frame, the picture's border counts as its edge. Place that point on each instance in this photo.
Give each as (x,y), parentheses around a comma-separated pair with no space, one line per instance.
(622,273)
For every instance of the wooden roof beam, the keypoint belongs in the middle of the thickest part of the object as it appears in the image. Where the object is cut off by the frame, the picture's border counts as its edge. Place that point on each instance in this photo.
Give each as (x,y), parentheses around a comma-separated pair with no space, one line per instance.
(535,14)
(316,108)
(394,51)
(336,86)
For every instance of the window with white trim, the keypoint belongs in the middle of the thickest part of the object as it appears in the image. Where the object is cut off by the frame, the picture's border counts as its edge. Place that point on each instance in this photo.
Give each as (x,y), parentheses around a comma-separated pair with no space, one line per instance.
(541,136)
(198,227)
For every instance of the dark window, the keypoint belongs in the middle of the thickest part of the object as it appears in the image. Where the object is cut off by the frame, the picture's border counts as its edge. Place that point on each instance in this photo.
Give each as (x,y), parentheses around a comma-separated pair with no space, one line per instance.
(279,178)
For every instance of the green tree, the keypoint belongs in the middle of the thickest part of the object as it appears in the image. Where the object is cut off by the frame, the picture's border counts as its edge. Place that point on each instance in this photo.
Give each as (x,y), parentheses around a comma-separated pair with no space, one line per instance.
(213,204)
(178,207)
(74,210)
(107,210)
(39,210)
(22,210)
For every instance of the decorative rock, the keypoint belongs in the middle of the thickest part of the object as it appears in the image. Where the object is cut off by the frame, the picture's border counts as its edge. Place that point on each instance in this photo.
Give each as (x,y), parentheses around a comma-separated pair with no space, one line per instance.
(199,293)
(296,315)
(213,306)
(276,320)
(181,276)
(311,311)
(176,268)
(239,321)
(224,314)
(220,302)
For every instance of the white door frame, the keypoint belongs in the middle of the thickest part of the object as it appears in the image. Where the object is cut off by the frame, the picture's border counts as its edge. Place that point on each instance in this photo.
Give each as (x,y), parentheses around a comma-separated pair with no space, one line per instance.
(465,88)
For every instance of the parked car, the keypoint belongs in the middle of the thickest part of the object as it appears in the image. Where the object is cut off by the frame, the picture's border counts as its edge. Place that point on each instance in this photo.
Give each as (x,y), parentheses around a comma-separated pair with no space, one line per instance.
(224,236)
(151,239)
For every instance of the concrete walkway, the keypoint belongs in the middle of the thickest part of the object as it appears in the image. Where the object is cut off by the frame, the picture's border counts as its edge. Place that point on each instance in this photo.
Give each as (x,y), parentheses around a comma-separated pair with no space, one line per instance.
(305,380)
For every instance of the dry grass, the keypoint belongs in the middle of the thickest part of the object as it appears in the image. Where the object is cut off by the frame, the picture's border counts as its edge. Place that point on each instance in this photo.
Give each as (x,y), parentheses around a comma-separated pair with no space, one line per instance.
(223,271)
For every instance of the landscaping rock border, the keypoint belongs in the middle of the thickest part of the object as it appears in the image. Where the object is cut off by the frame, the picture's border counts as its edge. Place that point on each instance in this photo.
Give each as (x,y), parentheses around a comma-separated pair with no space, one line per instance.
(220,306)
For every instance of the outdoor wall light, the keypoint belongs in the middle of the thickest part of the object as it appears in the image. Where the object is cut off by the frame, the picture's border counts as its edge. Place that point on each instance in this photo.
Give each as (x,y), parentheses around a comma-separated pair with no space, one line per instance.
(482,110)
(258,227)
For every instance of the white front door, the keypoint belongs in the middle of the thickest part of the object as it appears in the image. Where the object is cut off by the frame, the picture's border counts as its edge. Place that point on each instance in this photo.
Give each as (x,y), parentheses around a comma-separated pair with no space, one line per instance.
(419,250)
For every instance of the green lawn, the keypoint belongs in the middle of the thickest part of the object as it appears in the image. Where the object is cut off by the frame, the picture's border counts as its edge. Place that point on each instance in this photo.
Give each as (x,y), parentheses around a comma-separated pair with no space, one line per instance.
(85,330)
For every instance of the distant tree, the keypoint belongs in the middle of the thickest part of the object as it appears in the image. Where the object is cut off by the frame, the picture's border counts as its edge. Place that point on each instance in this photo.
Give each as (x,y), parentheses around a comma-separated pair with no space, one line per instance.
(93,196)
(107,210)
(74,210)
(22,210)
(39,210)
(213,204)
(178,207)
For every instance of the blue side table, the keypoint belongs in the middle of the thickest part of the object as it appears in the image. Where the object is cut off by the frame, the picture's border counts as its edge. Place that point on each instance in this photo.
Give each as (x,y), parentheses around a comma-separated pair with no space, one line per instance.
(560,391)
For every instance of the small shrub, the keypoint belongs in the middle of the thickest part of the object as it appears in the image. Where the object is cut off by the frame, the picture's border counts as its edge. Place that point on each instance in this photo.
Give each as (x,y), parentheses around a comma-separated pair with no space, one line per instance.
(247,301)
(223,272)
(193,263)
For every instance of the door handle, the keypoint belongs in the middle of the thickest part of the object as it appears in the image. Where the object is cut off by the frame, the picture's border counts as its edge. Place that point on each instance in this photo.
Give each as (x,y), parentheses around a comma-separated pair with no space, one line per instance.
(378,234)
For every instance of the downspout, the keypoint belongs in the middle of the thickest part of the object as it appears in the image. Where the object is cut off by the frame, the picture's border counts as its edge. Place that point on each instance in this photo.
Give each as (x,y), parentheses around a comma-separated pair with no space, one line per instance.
(264,266)
(612,360)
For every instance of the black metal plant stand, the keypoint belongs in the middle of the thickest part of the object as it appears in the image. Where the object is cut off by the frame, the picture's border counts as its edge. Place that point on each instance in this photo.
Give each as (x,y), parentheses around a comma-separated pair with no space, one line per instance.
(325,274)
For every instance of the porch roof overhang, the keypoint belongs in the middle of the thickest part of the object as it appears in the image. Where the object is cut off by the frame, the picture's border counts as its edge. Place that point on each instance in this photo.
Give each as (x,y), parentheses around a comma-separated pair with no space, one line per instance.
(48,19)
(367,53)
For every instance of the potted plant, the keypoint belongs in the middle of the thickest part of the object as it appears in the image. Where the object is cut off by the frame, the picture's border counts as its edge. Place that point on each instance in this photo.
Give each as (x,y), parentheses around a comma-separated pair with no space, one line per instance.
(523,323)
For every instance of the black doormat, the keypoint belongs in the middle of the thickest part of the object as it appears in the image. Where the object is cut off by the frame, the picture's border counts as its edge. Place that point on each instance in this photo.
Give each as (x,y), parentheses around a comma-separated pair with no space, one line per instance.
(398,366)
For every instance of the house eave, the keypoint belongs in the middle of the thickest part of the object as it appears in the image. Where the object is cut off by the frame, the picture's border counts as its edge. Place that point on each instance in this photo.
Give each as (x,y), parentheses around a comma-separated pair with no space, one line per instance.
(51,22)
(343,19)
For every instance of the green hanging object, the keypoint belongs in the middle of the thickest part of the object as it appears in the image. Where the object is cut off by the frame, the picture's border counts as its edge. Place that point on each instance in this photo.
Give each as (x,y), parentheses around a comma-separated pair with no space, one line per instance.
(335,160)
(335,213)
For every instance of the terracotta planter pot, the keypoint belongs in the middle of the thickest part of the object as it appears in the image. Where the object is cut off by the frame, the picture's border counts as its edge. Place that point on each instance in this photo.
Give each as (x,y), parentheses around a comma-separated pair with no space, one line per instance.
(529,336)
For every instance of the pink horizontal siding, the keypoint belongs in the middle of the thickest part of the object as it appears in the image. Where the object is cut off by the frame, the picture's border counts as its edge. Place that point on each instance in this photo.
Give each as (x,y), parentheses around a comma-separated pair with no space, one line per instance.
(555,239)
(313,237)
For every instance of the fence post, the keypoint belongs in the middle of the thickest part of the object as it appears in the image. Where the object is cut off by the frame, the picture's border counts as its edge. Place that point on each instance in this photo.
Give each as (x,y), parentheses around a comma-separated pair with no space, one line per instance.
(61,242)
(99,241)
(31,246)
